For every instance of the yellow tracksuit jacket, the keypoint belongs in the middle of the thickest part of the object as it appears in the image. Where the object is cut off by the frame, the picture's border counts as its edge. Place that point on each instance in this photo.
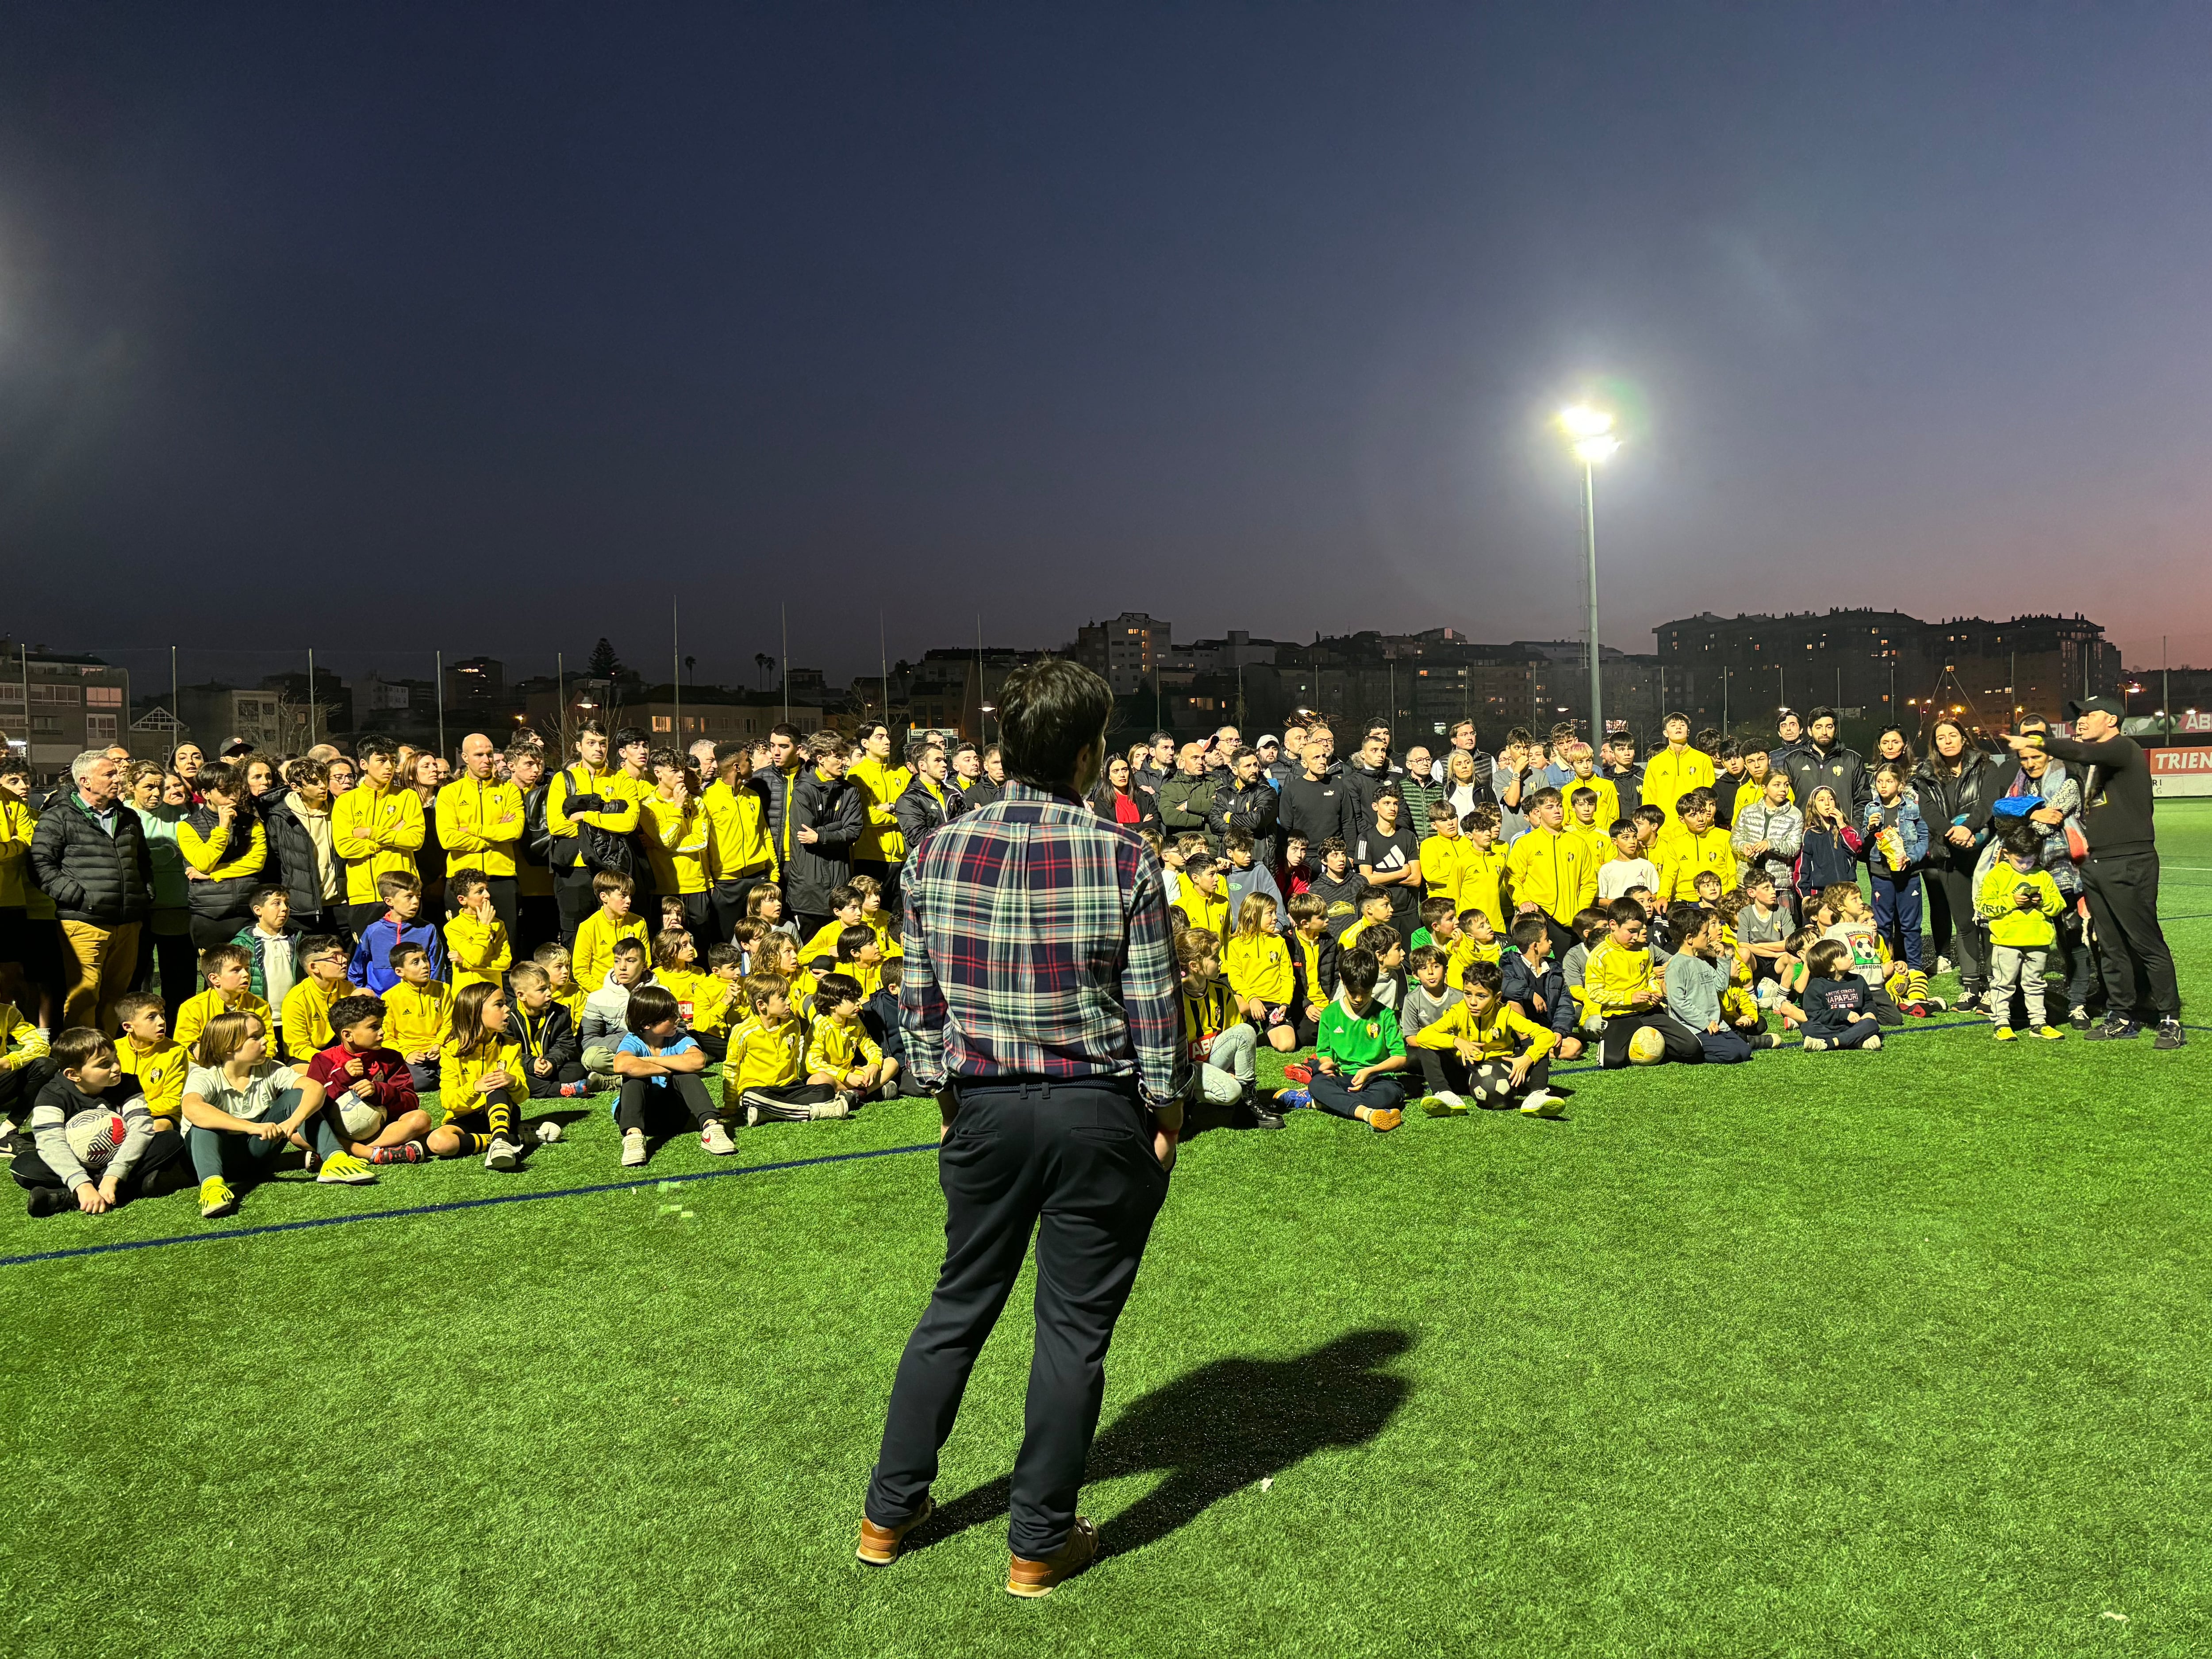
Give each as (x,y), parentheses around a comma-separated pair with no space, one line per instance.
(1259,965)
(479,951)
(458,1075)
(17,821)
(1500,1032)
(158,1073)
(306,1017)
(375,831)
(618,818)
(193,1017)
(1553,870)
(593,952)
(840,1050)
(1669,776)
(763,1056)
(417,1017)
(883,783)
(737,831)
(480,826)
(682,843)
(1612,976)
(1681,855)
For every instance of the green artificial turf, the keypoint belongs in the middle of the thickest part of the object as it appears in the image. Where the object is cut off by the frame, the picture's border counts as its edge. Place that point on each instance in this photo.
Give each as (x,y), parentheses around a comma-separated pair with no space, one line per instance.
(1902,1353)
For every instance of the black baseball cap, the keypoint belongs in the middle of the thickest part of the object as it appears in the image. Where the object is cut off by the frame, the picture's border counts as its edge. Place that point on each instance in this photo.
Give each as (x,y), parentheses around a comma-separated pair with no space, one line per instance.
(2083,706)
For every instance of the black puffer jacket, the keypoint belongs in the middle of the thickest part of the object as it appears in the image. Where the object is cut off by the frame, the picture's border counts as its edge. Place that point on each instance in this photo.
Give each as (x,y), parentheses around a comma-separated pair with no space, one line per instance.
(918,812)
(836,809)
(93,877)
(1969,798)
(292,861)
(1251,807)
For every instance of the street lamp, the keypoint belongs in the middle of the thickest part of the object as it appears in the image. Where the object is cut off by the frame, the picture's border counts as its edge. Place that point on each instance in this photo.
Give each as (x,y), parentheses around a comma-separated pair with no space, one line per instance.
(1590,440)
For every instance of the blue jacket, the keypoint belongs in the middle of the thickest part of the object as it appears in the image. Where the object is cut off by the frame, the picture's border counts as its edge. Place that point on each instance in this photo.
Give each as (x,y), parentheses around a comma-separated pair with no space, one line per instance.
(1522,985)
(372,958)
(1910,825)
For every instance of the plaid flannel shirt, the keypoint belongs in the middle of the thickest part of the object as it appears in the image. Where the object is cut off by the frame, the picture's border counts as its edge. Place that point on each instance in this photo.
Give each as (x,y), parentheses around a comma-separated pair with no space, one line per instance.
(1038,944)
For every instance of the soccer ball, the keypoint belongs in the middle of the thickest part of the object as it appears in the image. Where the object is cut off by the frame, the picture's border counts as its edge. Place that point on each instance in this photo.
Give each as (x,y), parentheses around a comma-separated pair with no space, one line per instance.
(1646,1047)
(363,1120)
(94,1136)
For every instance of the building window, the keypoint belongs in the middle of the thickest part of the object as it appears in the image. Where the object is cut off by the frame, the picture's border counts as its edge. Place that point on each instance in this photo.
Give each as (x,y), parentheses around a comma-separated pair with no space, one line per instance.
(99,730)
(661,723)
(56,694)
(104,696)
(45,726)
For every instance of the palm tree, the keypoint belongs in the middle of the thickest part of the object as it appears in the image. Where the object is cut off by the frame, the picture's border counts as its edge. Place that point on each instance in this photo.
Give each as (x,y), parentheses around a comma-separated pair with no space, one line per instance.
(763,662)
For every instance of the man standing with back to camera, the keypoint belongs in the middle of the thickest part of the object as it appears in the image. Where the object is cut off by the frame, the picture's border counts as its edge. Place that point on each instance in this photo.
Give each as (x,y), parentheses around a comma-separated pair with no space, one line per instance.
(1039,1003)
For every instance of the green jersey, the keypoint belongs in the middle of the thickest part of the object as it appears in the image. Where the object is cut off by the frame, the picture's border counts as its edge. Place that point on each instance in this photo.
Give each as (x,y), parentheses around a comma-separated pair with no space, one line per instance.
(1355,1040)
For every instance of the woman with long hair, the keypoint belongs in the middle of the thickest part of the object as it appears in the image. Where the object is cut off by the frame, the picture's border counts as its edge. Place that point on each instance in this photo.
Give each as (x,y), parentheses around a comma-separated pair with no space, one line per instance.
(1956,787)
(1119,800)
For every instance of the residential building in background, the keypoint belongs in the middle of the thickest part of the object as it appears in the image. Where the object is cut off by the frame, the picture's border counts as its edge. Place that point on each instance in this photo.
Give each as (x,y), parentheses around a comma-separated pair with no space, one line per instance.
(1123,652)
(56,705)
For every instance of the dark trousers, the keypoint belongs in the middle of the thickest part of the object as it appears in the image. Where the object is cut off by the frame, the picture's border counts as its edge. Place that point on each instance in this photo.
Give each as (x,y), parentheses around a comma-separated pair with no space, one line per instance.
(30,1170)
(210,931)
(728,899)
(1484,1082)
(1681,1042)
(548,1086)
(2131,948)
(20,1086)
(573,896)
(1853,1036)
(1951,920)
(698,917)
(362,915)
(541,923)
(1333,1095)
(1074,1163)
(1897,914)
(1726,1046)
(683,1104)
(2075,961)
(887,875)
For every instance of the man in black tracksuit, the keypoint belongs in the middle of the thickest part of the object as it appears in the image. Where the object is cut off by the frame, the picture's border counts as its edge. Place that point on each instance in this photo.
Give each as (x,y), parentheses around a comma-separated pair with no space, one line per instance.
(2119,878)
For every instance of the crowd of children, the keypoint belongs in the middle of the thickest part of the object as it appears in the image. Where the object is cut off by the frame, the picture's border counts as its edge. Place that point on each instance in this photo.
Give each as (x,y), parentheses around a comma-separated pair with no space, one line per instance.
(369,933)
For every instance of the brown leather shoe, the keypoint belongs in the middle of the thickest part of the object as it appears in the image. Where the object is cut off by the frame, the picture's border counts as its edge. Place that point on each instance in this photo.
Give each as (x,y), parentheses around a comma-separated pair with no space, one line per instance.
(1030,1579)
(879,1545)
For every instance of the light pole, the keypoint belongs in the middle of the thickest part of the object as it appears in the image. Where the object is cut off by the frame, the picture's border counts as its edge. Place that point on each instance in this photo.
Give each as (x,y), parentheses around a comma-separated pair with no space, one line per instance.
(1589,437)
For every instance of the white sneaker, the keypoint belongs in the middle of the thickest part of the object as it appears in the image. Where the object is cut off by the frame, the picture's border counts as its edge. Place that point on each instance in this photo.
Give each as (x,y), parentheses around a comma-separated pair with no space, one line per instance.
(1542,1103)
(633,1148)
(1815,1045)
(762,1108)
(840,1107)
(1871,1042)
(1451,1099)
(504,1154)
(548,1132)
(1942,964)
(715,1138)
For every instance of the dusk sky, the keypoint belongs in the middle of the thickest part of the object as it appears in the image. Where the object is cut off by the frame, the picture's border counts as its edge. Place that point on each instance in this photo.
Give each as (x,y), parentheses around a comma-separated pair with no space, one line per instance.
(434,327)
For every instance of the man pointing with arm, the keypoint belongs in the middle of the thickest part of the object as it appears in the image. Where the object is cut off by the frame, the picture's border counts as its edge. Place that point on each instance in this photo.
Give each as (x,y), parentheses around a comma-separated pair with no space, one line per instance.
(1040,1002)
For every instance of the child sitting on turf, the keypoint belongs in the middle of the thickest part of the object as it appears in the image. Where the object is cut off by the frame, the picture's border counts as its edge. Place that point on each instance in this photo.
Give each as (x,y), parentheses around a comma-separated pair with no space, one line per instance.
(227,970)
(1261,979)
(552,1052)
(881,1015)
(599,933)
(1487,1049)
(1619,982)
(1374,905)
(1841,913)
(417,1014)
(1357,1049)
(476,938)
(860,959)
(1474,939)
(1216,1035)
(768,1052)
(1338,886)
(305,1018)
(716,995)
(1833,1004)
(356,1071)
(401,892)
(1532,981)
(606,1010)
(153,1069)
(675,957)
(2019,903)
(1696,979)
(244,1108)
(663,1091)
(1588,926)
(841,1053)
(846,908)
(53,1174)
(764,905)
(481,1082)
(1313,965)
(1762,926)
(1429,994)
(553,958)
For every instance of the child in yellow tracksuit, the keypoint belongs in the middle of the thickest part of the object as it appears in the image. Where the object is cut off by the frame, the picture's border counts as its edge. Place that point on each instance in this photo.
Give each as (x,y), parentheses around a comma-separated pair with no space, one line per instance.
(418,1016)
(228,972)
(476,938)
(593,954)
(1486,1052)
(764,1075)
(1686,848)
(152,1064)
(2020,905)
(1261,976)
(841,1054)
(481,1081)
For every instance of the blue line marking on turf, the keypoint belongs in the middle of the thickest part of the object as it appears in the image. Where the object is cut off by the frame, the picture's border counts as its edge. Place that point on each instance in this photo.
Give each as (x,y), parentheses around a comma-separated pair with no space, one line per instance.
(456,1204)
(632,1186)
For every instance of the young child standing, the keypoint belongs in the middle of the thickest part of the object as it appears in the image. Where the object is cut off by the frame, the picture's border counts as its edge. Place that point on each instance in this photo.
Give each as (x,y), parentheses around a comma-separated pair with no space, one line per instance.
(1485,1047)
(1625,865)
(1358,1051)
(1896,847)
(1482,865)
(2019,903)
(663,1091)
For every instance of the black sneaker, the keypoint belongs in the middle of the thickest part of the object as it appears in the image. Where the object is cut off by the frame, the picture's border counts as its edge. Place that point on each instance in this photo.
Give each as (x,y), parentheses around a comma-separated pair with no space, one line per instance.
(49,1200)
(1264,1118)
(1969,1002)
(2081,1021)
(1764,1040)
(2169,1034)
(2117,1028)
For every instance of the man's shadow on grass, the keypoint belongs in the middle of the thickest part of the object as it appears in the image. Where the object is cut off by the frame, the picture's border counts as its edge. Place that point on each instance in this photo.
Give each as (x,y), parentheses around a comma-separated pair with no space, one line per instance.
(1228,1425)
